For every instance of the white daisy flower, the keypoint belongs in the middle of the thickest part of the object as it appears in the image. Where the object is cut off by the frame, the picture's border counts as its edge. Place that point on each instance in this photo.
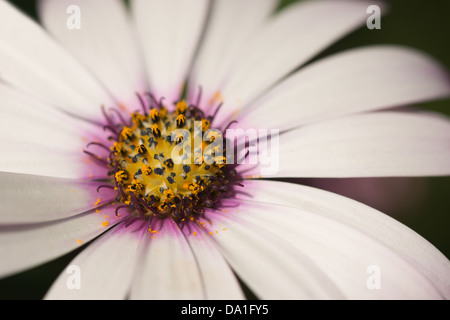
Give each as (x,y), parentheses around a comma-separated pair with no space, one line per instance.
(72,171)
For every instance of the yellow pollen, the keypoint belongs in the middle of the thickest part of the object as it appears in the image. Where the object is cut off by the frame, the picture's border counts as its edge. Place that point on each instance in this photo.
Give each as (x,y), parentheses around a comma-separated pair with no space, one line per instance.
(146,170)
(121,176)
(117,147)
(179,139)
(137,119)
(154,115)
(181,120)
(156,131)
(216,98)
(205,125)
(126,133)
(152,231)
(181,107)
(169,193)
(163,113)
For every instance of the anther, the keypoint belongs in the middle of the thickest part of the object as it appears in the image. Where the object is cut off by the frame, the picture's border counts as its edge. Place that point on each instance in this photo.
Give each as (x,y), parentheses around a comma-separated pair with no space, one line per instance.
(179,139)
(154,115)
(181,107)
(141,149)
(169,163)
(107,186)
(121,176)
(205,125)
(126,133)
(147,170)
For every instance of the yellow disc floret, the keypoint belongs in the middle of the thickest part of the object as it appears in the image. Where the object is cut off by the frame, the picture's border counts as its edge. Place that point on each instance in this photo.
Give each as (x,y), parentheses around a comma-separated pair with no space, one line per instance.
(157,164)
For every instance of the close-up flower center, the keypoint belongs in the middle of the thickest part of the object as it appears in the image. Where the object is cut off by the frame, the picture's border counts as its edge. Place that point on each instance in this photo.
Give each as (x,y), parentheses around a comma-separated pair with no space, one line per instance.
(168,164)
(179,150)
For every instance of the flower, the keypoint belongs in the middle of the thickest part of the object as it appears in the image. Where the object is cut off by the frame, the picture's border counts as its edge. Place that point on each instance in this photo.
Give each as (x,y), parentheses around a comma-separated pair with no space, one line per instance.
(285,241)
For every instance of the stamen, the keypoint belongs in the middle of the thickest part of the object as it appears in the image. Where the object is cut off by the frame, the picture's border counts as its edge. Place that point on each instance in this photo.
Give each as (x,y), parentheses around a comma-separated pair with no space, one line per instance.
(154,115)
(96,158)
(101,145)
(229,125)
(148,180)
(213,117)
(181,120)
(107,186)
(111,125)
(181,107)
(156,131)
(119,114)
(199,96)
(111,129)
(155,102)
(118,209)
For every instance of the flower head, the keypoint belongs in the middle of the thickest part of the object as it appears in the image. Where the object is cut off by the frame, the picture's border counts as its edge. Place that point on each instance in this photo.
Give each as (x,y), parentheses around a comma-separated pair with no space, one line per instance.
(148,176)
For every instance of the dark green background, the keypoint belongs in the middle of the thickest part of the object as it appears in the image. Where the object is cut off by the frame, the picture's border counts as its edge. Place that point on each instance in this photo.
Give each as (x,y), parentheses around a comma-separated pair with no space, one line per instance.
(420,24)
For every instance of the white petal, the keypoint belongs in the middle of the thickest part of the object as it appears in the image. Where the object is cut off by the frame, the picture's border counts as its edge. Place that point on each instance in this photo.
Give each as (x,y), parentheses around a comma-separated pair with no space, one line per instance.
(416,251)
(24,247)
(367,145)
(218,279)
(104,43)
(399,197)
(105,268)
(285,42)
(222,40)
(27,158)
(169,32)
(271,267)
(168,269)
(25,120)
(35,63)
(38,139)
(358,80)
(30,199)
(343,254)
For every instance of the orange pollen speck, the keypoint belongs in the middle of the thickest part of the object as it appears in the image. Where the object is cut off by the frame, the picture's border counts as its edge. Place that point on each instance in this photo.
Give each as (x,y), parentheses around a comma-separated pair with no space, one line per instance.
(216,98)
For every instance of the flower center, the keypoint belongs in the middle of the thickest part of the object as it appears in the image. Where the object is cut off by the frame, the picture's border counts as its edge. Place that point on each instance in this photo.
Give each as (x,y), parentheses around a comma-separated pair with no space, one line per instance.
(170,164)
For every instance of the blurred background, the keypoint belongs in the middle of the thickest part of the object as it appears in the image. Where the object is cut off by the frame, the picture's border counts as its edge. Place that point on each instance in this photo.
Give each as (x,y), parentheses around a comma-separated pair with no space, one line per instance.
(423,204)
